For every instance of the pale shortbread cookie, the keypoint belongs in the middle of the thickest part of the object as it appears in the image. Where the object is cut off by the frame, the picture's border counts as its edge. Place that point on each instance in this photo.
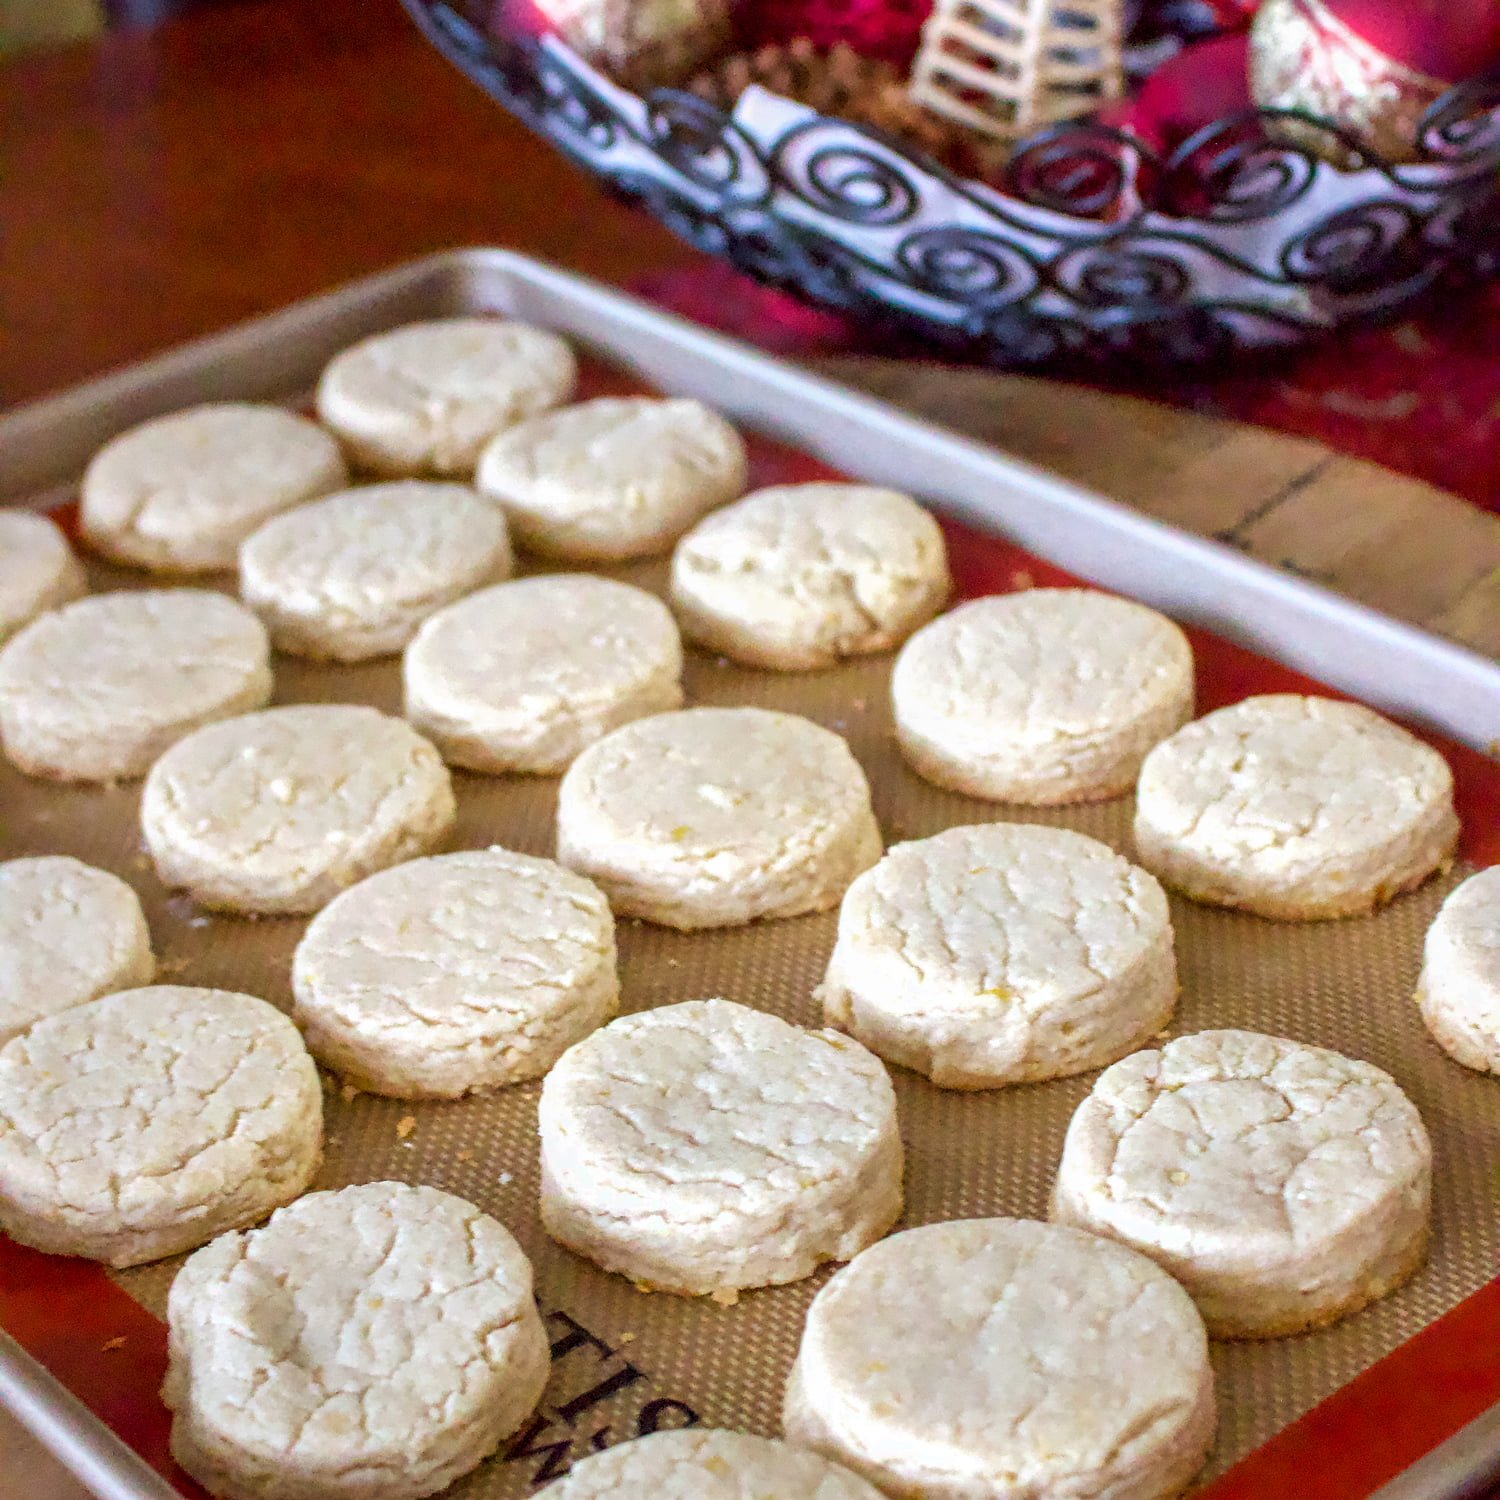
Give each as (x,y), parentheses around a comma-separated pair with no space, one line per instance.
(1285,1186)
(998,1359)
(1459,991)
(145,1123)
(278,812)
(1043,697)
(712,817)
(1295,808)
(353,576)
(523,676)
(614,478)
(373,1343)
(180,493)
(457,973)
(705,1463)
(97,690)
(1000,954)
(426,398)
(705,1147)
(37,569)
(68,934)
(803,575)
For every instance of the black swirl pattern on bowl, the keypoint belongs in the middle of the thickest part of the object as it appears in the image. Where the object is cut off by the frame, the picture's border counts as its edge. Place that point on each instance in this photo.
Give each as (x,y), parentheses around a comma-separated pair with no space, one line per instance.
(702,143)
(850,175)
(1234,172)
(1087,171)
(969,266)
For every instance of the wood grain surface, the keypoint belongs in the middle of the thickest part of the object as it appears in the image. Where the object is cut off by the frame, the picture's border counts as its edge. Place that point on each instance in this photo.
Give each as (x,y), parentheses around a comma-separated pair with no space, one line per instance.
(1392,542)
(158,185)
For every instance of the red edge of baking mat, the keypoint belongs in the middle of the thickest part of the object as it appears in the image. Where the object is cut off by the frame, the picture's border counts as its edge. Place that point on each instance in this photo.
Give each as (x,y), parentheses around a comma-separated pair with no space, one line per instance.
(112,1354)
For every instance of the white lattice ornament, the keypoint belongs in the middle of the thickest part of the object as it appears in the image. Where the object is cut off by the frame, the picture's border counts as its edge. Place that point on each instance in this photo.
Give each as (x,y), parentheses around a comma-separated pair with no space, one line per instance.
(1005,68)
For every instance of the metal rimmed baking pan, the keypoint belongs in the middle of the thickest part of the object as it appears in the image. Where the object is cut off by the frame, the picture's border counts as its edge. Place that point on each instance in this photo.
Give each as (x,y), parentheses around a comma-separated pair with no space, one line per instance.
(1341,1400)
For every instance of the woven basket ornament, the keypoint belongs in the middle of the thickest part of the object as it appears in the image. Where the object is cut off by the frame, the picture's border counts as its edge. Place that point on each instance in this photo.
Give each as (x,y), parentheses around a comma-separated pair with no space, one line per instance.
(1006,68)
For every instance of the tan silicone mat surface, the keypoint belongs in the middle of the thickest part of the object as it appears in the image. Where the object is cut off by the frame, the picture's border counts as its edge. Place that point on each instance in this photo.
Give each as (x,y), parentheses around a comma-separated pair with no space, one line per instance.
(625,1361)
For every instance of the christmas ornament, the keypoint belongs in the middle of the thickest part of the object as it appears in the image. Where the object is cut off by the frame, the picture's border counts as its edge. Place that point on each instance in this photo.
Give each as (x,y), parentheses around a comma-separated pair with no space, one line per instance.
(835,81)
(886,30)
(641,43)
(1006,68)
(1371,67)
(1204,83)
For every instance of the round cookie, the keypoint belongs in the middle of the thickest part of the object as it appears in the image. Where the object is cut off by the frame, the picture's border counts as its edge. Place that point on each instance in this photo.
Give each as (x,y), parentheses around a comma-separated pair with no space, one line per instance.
(37,569)
(277,812)
(523,676)
(448,975)
(1459,991)
(68,934)
(1046,696)
(705,1147)
(352,576)
(97,690)
(998,1359)
(1002,953)
(712,817)
(373,1343)
(1284,1186)
(180,493)
(705,1463)
(145,1123)
(613,478)
(1295,808)
(426,398)
(801,576)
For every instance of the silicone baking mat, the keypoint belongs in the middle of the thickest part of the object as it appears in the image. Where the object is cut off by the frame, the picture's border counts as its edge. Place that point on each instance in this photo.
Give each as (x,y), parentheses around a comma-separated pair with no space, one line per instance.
(625,1362)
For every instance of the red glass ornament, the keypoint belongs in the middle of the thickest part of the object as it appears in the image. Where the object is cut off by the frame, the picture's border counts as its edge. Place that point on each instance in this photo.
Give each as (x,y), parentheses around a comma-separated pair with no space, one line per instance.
(1446,39)
(885,29)
(1207,81)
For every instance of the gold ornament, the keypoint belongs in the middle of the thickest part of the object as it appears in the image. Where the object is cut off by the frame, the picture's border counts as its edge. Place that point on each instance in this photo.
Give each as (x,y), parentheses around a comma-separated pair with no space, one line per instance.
(1304,57)
(643,44)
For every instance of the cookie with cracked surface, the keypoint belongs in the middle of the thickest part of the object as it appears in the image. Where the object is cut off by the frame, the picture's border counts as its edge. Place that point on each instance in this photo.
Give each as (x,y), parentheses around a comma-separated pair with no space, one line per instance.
(713,817)
(97,690)
(523,676)
(424,399)
(614,478)
(1285,1186)
(374,1343)
(277,812)
(68,934)
(1042,697)
(353,575)
(704,1148)
(1295,808)
(705,1463)
(1459,989)
(999,1359)
(449,975)
(802,576)
(145,1123)
(1002,953)
(38,571)
(180,493)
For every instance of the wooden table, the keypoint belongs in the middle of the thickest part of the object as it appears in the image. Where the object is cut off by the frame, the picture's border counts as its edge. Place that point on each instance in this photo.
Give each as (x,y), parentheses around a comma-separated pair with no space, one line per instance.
(159,185)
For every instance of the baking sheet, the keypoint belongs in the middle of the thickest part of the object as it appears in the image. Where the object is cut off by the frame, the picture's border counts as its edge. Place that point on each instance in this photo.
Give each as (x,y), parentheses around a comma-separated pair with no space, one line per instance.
(628,1359)
(625,1361)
